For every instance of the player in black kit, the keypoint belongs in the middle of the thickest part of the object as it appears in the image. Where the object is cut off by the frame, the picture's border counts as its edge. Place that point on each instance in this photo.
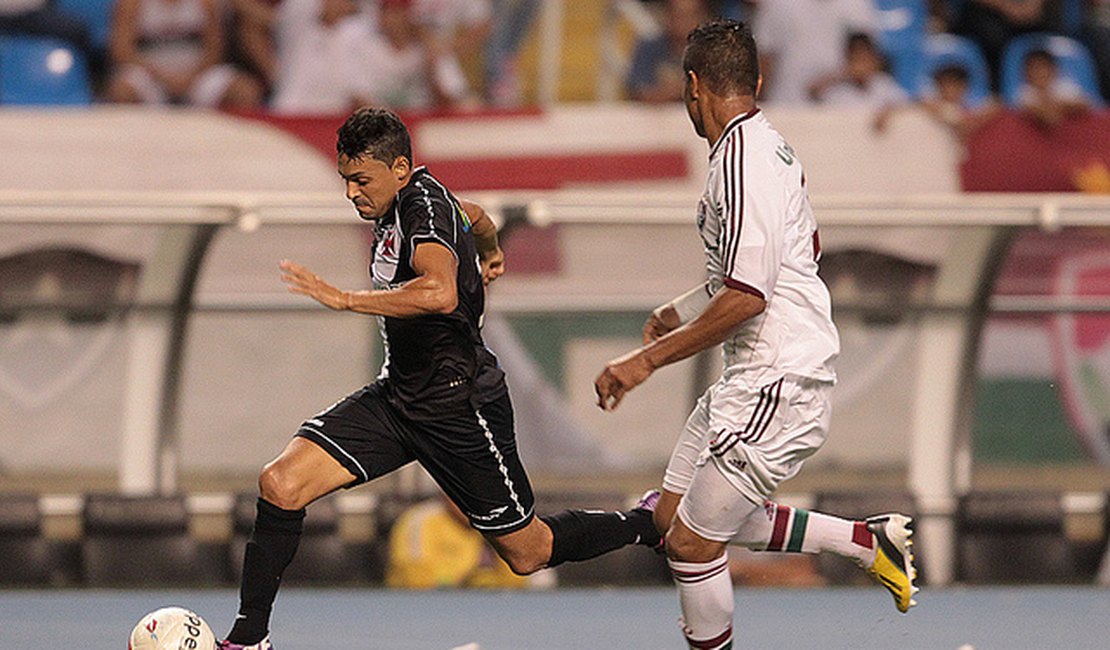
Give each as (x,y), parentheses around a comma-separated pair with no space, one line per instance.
(441,398)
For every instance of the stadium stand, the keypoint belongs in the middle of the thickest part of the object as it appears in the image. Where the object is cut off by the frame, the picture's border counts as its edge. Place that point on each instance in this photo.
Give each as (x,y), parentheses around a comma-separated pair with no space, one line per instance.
(1072,58)
(902,37)
(948,49)
(42,71)
(1014,537)
(145,541)
(97,16)
(25,556)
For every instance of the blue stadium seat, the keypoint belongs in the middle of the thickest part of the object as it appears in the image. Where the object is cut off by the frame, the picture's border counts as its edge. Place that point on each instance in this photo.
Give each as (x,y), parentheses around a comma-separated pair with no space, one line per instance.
(947,49)
(42,71)
(1072,59)
(97,16)
(902,37)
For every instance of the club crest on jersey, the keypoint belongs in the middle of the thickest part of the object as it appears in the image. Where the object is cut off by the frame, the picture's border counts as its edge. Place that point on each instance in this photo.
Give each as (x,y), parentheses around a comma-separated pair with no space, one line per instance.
(386,255)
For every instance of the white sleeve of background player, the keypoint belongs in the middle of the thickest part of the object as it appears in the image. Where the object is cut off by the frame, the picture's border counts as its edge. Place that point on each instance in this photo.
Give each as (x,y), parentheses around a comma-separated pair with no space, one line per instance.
(692,303)
(753,226)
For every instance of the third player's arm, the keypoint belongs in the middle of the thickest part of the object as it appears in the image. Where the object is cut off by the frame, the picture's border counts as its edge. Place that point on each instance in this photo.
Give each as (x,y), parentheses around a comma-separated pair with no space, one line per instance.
(485,241)
(433,291)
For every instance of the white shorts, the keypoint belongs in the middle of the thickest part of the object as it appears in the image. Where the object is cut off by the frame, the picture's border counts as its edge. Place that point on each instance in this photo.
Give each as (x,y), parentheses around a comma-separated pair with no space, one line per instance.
(207,90)
(755,437)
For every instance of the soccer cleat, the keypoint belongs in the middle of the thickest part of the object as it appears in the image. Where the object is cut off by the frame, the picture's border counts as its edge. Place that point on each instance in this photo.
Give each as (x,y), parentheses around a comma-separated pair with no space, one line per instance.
(264,644)
(893,565)
(647,504)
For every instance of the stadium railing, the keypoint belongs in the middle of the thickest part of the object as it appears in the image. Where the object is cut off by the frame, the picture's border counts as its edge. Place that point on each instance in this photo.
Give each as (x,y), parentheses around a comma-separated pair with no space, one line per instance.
(950,321)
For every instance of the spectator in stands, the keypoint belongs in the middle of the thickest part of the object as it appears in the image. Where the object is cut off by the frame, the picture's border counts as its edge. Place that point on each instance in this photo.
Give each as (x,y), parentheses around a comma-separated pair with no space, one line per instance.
(802,41)
(411,64)
(862,81)
(992,23)
(432,546)
(171,51)
(254,25)
(1096,36)
(40,18)
(511,20)
(1047,97)
(949,103)
(320,48)
(656,74)
(454,33)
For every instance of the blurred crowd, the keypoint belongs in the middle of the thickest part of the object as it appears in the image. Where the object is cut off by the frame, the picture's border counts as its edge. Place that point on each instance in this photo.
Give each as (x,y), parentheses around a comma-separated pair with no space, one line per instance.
(324,56)
(962,60)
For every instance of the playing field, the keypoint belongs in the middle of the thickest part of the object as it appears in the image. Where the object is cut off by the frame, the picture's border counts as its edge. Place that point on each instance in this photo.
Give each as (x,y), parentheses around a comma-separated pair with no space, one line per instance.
(1047,618)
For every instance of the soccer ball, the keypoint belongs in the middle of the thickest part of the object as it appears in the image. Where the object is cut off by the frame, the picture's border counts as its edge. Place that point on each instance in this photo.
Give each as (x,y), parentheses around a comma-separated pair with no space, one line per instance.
(172,628)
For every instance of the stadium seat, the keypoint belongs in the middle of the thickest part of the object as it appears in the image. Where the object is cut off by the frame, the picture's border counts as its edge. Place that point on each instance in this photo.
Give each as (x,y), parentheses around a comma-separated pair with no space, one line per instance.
(145,541)
(42,71)
(25,557)
(97,16)
(947,49)
(1072,59)
(322,555)
(902,36)
(1013,537)
(860,505)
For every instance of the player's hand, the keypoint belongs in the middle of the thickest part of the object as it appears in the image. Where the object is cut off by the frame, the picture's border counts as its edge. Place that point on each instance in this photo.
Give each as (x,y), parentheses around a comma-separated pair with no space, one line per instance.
(620,376)
(301,280)
(493,265)
(661,321)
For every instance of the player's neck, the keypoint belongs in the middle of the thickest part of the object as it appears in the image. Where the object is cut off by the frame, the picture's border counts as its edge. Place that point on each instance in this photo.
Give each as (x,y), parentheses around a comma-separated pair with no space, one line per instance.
(724,110)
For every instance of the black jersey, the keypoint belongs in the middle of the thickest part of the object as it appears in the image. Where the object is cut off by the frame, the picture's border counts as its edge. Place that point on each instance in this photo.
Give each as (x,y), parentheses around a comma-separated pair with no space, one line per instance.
(436,365)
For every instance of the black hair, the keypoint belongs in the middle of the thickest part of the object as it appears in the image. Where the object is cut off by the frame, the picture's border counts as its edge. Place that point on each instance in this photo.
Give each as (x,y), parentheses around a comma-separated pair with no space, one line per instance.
(953,71)
(374,132)
(1039,53)
(722,54)
(859,39)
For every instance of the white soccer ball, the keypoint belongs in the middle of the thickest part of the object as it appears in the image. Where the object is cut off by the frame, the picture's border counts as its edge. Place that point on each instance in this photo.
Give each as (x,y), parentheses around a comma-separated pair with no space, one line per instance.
(172,628)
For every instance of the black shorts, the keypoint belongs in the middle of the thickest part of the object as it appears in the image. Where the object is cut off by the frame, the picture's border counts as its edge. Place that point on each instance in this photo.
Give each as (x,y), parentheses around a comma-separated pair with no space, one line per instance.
(473,457)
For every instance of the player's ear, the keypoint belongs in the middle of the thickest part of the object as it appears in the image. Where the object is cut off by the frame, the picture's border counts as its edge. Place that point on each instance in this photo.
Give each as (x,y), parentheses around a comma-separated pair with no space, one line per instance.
(692,85)
(759,86)
(401,168)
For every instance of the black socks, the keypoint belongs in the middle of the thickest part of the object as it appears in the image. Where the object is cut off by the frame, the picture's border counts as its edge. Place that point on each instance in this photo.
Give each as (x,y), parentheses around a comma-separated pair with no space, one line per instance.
(584,534)
(269,550)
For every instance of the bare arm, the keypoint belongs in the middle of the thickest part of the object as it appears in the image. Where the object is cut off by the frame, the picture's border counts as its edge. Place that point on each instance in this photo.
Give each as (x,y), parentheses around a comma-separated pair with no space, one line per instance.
(726,311)
(485,239)
(433,291)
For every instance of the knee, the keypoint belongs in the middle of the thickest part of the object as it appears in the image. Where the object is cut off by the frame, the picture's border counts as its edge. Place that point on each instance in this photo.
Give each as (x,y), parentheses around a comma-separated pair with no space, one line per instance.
(281,487)
(683,545)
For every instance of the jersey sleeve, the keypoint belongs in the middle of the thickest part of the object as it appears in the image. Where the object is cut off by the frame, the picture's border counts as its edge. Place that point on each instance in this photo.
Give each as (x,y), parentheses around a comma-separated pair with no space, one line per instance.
(429,215)
(753,226)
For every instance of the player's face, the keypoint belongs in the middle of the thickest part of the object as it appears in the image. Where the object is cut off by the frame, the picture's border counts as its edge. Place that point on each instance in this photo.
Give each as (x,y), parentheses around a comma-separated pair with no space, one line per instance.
(371,184)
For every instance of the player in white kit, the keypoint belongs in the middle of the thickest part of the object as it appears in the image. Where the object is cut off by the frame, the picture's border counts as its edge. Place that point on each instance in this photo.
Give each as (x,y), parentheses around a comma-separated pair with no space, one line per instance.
(769,411)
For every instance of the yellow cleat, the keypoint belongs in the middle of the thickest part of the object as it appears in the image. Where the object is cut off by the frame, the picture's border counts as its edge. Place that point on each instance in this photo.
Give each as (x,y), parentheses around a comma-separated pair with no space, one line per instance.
(893,566)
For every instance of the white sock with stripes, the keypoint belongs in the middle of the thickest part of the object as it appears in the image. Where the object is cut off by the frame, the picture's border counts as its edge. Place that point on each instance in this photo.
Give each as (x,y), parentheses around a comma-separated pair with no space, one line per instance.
(779,528)
(705,595)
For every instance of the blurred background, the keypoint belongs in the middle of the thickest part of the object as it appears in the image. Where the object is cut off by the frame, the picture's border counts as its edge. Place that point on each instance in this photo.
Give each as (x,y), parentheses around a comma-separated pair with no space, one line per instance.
(159,157)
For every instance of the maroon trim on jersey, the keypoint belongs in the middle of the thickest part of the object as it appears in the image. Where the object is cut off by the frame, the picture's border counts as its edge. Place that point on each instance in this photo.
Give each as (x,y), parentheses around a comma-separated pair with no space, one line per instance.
(736,121)
(735,199)
(746,288)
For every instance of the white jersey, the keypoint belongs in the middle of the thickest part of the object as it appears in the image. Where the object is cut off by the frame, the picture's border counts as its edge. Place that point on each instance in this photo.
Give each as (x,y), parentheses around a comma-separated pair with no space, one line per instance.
(760,237)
